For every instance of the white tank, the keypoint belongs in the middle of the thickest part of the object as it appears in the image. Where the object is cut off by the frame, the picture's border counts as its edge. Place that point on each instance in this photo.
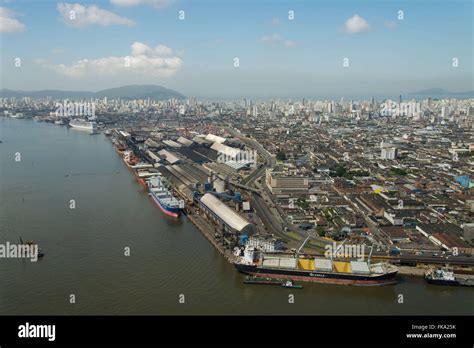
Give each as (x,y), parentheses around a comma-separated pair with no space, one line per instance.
(219,185)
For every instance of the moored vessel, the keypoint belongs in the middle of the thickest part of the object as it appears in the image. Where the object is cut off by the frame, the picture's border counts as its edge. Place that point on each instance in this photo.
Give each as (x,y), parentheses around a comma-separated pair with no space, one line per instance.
(163,197)
(444,276)
(262,280)
(320,270)
(83,124)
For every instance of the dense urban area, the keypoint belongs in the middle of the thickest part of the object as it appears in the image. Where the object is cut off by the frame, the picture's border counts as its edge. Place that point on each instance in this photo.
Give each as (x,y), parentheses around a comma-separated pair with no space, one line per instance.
(291,177)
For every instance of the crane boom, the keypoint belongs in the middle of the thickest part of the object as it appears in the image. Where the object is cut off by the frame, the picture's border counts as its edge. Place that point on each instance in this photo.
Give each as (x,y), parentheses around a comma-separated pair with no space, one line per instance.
(303,244)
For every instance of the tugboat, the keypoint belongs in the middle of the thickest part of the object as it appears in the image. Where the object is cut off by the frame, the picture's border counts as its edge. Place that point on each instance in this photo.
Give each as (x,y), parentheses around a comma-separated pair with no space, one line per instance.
(289,284)
(440,276)
(29,243)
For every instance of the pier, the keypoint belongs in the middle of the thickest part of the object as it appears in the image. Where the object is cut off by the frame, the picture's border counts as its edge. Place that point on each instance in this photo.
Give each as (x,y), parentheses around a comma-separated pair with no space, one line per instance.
(208,230)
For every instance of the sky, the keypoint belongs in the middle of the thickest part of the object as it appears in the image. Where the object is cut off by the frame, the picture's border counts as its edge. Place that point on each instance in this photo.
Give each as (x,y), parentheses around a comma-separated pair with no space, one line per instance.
(285,49)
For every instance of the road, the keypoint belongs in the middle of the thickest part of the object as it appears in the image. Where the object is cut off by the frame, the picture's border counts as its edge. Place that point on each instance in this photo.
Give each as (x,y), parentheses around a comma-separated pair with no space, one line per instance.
(452,260)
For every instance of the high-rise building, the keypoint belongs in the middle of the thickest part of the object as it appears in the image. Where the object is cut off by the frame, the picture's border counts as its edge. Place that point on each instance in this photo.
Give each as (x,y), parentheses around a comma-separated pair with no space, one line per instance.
(388,153)
(255,111)
(444,112)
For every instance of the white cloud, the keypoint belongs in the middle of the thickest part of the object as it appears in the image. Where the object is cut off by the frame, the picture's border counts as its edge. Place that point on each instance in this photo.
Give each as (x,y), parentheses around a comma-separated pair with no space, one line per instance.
(155,3)
(140,49)
(8,22)
(390,24)
(160,61)
(77,15)
(356,24)
(276,40)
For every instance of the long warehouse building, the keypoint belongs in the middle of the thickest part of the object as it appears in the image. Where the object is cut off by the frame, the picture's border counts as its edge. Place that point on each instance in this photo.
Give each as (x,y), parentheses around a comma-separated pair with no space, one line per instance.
(225,215)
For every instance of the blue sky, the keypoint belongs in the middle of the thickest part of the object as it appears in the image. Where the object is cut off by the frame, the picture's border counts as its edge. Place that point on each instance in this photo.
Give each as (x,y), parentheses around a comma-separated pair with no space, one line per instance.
(278,57)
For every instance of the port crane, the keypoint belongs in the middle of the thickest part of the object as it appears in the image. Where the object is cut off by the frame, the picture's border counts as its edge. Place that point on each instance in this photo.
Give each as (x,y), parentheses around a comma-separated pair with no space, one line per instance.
(304,242)
(310,236)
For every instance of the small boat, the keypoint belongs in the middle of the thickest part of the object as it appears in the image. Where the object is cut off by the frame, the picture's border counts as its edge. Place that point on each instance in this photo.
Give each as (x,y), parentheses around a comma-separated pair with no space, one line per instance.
(261,280)
(29,243)
(289,284)
(444,276)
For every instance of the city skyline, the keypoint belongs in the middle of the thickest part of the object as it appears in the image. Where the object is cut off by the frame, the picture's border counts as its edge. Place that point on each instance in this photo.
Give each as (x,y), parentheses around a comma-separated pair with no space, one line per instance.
(282,54)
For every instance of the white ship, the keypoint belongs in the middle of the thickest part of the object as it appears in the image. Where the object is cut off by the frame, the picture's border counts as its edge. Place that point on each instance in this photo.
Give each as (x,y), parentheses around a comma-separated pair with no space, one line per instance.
(83,124)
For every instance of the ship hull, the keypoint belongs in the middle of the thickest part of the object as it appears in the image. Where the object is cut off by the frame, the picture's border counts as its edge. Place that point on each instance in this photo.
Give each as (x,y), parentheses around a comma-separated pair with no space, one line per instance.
(442,282)
(83,126)
(173,212)
(457,282)
(319,277)
(86,128)
(142,183)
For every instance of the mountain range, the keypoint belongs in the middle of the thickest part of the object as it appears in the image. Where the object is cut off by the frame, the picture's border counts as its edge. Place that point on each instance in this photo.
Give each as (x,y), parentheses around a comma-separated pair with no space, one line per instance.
(156,92)
(125,92)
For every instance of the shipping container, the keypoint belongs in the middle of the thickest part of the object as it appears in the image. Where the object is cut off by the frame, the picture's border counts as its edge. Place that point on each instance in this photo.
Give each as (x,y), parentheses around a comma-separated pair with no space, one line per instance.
(342,267)
(324,265)
(288,262)
(360,267)
(271,262)
(306,264)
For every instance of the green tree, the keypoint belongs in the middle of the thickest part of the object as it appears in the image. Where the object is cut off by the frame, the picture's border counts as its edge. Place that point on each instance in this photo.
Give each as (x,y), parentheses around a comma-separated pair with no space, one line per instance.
(281,156)
(320,231)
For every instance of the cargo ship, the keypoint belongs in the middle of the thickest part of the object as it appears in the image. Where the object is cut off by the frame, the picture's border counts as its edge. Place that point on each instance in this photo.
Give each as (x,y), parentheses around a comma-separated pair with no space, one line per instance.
(83,124)
(319,270)
(130,159)
(163,198)
(440,276)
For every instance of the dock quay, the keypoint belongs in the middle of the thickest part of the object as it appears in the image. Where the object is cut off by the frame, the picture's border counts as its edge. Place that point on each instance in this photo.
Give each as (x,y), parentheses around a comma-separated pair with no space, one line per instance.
(229,207)
(209,232)
(409,271)
(185,179)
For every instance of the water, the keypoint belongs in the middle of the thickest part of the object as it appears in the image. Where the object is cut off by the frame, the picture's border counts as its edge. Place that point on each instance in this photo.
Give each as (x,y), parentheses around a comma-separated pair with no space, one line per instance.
(85,246)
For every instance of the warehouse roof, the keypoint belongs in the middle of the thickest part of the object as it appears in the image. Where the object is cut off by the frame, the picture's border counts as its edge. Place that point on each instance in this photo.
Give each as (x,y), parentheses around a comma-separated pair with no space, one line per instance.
(215,138)
(184,141)
(169,157)
(237,165)
(229,152)
(171,143)
(226,214)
